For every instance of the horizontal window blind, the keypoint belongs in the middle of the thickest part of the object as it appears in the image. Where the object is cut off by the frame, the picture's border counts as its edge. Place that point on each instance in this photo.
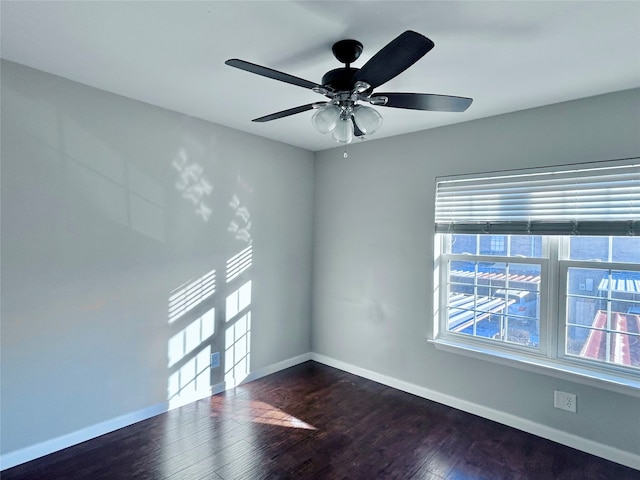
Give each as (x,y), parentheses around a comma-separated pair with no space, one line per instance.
(588,200)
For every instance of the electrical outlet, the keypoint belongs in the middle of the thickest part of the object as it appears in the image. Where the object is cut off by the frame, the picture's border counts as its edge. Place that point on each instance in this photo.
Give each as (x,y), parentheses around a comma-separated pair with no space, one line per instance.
(564,401)
(215,360)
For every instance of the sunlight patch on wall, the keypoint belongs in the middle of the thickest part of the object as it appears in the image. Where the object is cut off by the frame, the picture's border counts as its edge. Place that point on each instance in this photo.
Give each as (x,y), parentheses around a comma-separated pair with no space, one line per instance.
(238,335)
(192,184)
(191,337)
(191,381)
(239,263)
(238,301)
(190,294)
(240,225)
(189,349)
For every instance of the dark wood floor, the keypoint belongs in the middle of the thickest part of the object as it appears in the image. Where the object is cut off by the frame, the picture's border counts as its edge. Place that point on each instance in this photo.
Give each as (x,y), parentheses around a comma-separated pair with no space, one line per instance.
(313,421)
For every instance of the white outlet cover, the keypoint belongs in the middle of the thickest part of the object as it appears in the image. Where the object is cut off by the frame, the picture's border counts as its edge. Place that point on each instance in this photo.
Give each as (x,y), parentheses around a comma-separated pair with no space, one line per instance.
(215,360)
(564,401)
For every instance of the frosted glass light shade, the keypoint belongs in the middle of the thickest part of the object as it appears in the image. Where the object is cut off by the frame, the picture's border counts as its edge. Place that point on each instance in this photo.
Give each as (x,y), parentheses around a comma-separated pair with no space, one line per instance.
(368,119)
(326,118)
(343,132)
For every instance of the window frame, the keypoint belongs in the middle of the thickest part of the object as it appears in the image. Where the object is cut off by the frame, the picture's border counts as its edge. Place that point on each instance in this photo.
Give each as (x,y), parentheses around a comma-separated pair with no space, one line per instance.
(444,280)
(563,268)
(550,357)
(550,360)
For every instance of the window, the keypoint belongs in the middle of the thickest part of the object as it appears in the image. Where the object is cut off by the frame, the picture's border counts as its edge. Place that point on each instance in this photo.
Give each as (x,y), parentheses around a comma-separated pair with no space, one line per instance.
(494,297)
(543,267)
(497,243)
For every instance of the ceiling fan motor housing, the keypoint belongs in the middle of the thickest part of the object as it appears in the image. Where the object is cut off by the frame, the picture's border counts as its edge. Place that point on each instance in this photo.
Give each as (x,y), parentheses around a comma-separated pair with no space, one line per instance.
(340,79)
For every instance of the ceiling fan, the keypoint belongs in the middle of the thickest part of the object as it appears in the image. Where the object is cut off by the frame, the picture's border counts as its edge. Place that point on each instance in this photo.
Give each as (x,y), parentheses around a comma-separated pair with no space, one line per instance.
(347,87)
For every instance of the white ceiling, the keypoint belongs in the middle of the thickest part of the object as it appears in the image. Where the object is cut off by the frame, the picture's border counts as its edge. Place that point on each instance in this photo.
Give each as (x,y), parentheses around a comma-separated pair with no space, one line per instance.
(508,56)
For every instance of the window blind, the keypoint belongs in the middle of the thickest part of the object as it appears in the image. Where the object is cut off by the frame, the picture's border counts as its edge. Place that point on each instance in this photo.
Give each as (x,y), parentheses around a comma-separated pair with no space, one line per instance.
(587,200)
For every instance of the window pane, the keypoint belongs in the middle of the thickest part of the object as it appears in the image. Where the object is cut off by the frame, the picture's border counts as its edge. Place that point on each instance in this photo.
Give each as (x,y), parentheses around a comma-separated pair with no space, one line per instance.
(589,248)
(495,300)
(526,246)
(603,308)
(626,249)
(463,243)
(606,249)
(498,245)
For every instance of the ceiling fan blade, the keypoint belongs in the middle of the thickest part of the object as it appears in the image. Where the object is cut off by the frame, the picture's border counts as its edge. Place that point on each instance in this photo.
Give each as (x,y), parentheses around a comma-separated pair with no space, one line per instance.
(398,55)
(270,73)
(288,112)
(426,101)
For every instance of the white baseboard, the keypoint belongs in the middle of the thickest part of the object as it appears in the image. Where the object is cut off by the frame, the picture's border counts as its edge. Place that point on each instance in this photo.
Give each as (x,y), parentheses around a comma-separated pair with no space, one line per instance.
(41,449)
(17,457)
(598,449)
(276,367)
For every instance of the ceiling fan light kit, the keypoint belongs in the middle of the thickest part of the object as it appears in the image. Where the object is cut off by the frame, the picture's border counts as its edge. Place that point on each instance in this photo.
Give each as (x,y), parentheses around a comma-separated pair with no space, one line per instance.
(347,88)
(326,118)
(343,133)
(338,119)
(368,119)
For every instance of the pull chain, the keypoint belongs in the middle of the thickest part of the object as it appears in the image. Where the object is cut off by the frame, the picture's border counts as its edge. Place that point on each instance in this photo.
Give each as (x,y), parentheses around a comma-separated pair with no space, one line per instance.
(345,154)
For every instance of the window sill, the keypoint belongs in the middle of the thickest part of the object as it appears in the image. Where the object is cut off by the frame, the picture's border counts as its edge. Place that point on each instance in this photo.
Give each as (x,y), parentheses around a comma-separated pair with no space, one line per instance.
(563,370)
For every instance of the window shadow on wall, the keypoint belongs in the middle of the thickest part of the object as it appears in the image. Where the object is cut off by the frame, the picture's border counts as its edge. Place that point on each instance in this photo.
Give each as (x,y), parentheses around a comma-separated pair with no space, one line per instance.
(192,319)
(206,319)
(237,345)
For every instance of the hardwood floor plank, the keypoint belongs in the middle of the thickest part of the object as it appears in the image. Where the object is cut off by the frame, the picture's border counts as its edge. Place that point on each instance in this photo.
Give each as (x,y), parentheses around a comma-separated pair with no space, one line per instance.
(315,422)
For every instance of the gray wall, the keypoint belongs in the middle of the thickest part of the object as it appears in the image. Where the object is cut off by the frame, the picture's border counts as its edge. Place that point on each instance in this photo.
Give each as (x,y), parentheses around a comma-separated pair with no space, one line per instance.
(373,255)
(106,209)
